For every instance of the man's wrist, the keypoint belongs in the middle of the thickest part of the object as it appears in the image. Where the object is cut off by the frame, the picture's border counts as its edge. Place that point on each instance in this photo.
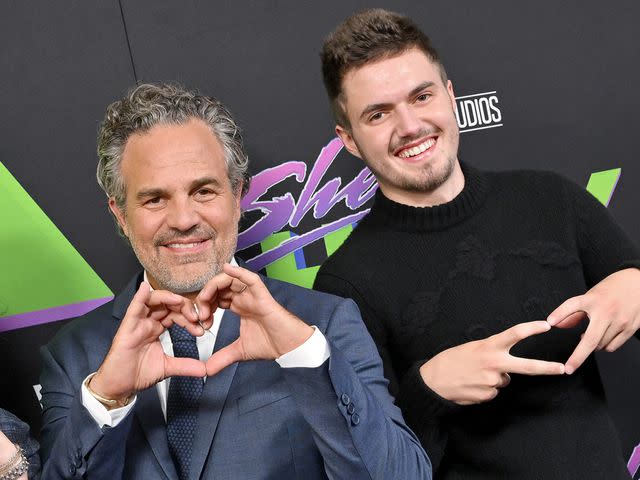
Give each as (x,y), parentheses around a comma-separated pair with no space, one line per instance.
(311,354)
(301,336)
(7,449)
(15,466)
(110,403)
(296,336)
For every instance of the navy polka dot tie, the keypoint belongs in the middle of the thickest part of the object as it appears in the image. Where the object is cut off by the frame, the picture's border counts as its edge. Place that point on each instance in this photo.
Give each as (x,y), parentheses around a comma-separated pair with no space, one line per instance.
(182,403)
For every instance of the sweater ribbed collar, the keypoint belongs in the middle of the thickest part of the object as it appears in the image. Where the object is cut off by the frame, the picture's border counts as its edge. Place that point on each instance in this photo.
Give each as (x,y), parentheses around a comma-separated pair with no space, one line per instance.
(397,216)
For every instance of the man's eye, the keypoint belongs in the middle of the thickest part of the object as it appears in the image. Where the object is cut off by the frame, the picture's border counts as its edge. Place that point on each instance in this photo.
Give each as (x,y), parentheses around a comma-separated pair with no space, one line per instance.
(153,201)
(205,193)
(422,97)
(376,116)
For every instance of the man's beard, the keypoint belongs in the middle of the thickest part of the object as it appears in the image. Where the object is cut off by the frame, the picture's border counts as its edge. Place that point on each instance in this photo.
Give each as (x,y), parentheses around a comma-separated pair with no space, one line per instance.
(166,281)
(164,273)
(425,181)
(429,180)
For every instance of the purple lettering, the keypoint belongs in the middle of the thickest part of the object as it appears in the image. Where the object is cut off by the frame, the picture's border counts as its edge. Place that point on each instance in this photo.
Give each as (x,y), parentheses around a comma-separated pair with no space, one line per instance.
(277,211)
(634,461)
(283,210)
(355,193)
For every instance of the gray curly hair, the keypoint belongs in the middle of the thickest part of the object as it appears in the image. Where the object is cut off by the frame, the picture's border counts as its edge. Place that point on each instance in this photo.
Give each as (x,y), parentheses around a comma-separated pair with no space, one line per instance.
(149,105)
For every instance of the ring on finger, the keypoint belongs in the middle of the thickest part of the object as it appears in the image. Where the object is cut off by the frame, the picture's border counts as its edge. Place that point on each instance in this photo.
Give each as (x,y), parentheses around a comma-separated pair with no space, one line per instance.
(197,310)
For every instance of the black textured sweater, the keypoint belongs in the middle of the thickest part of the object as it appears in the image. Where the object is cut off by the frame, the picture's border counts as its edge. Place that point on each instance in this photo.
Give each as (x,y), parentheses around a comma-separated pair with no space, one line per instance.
(508,249)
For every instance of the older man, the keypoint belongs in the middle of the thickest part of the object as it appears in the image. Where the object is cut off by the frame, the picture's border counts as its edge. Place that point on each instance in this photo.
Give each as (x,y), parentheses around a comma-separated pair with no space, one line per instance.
(176,377)
(453,266)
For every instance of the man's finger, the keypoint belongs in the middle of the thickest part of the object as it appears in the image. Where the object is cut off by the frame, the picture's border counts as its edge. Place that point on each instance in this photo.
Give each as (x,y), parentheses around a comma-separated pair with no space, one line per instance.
(184,307)
(184,367)
(513,335)
(207,299)
(138,306)
(158,314)
(137,309)
(588,343)
(529,366)
(193,328)
(204,321)
(163,298)
(618,341)
(612,331)
(223,358)
(220,282)
(573,320)
(505,379)
(567,308)
(237,287)
(245,276)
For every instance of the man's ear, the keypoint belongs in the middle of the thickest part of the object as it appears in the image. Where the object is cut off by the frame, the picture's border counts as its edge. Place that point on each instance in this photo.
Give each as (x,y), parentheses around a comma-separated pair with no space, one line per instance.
(348,141)
(119,214)
(237,193)
(452,95)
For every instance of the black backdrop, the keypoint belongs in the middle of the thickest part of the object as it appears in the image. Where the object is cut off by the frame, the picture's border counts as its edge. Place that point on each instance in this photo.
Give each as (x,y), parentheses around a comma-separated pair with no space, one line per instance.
(564,75)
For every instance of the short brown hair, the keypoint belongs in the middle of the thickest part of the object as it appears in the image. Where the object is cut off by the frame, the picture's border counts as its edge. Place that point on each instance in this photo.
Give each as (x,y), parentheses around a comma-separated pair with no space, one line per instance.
(365,37)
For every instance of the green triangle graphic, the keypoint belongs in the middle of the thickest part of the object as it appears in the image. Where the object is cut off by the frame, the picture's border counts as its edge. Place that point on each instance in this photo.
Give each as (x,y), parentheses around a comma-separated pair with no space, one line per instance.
(39,268)
(285,268)
(602,184)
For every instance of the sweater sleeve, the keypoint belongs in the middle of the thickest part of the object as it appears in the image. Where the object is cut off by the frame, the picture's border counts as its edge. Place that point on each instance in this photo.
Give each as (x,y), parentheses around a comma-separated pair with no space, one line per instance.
(604,247)
(422,408)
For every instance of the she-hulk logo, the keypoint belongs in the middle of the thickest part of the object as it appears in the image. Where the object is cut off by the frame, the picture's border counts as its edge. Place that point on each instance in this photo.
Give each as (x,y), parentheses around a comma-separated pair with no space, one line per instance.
(282,252)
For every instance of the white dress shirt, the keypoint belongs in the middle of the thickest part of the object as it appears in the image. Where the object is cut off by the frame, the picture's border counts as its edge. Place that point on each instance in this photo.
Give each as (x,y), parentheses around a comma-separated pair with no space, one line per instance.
(311,354)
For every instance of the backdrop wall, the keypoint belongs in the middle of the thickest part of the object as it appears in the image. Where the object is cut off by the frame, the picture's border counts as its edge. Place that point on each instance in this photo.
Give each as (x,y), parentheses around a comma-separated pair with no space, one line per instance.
(541,85)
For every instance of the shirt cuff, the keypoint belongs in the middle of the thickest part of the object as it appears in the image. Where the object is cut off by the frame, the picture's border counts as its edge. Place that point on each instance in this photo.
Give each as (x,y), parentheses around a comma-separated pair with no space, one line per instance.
(311,354)
(99,412)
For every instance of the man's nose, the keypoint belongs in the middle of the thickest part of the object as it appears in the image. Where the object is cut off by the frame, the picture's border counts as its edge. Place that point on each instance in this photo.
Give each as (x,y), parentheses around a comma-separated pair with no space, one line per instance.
(408,122)
(182,214)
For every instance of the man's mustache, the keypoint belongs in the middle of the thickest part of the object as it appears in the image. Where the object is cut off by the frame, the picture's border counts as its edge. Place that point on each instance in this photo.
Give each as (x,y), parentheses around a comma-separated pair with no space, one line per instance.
(173,235)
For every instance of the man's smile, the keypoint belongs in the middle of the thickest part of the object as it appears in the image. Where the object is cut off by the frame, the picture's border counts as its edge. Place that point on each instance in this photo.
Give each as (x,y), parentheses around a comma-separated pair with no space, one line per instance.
(416,148)
(187,245)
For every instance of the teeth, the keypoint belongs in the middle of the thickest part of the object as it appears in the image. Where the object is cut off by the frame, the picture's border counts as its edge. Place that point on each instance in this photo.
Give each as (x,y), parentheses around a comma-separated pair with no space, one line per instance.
(182,245)
(418,149)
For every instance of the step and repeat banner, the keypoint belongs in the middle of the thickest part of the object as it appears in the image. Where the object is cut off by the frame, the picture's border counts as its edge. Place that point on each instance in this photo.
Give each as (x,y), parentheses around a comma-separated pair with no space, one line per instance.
(541,85)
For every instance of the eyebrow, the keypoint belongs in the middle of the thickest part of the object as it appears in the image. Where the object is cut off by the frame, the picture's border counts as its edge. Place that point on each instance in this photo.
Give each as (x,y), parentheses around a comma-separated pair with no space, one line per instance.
(201,182)
(380,106)
(158,192)
(149,192)
(420,88)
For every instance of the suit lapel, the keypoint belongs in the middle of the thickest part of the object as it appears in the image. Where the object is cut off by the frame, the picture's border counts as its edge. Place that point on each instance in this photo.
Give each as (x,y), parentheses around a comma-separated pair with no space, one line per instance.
(154,426)
(214,396)
(147,407)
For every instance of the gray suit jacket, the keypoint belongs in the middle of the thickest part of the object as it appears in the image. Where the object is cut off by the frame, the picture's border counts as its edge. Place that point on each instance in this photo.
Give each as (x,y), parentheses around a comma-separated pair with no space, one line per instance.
(256,420)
